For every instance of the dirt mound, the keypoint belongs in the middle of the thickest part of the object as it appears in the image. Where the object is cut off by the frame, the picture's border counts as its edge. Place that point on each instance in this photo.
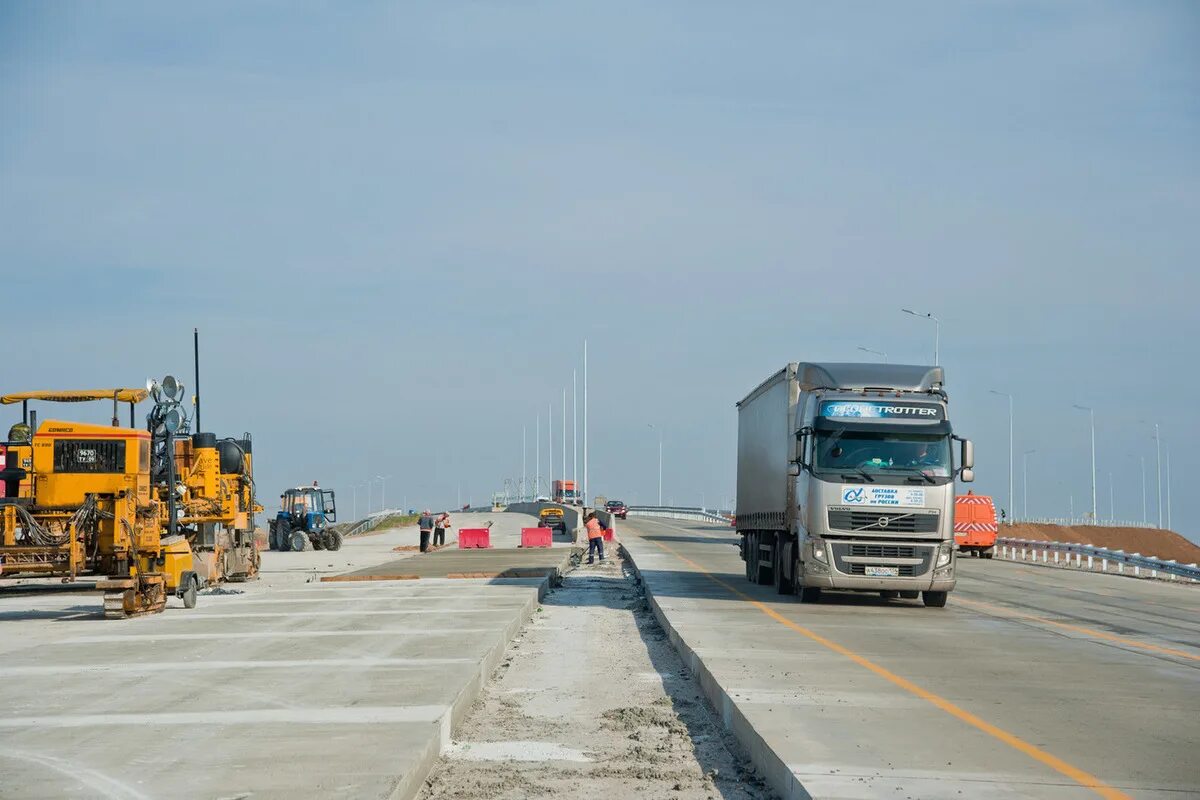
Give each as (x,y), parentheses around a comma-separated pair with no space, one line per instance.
(1155,542)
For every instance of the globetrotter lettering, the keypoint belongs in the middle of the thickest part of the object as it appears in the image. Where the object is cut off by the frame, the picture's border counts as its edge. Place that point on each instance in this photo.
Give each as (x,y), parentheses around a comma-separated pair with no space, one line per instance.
(855,410)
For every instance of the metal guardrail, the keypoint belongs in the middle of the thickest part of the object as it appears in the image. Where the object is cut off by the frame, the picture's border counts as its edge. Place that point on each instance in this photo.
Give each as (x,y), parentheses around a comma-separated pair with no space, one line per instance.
(372,521)
(1090,557)
(678,512)
(1081,522)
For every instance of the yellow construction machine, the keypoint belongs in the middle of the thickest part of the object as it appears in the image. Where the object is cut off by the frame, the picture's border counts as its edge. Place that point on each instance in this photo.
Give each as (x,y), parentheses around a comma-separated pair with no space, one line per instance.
(149,512)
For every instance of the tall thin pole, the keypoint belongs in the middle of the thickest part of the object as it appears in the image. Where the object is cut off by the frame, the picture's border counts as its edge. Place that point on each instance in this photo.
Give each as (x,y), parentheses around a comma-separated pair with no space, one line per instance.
(1092,413)
(524,456)
(575,433)
(1158,448)
(537,469)
(1010,446)
(550,446)
(564,436)
(196,361)
(1144,520)
(585,423)
(937,332)
(660,444)
(1168,488)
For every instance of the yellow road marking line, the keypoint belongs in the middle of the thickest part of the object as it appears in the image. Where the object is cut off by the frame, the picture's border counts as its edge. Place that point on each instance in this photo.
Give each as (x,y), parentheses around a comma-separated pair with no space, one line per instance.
(1001,611)
(1054,762)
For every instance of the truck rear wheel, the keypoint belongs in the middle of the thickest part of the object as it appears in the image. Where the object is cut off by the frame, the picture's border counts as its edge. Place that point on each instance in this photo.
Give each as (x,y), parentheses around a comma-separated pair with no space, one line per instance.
(782,552)
(935,599)
(748,555)
(764,576)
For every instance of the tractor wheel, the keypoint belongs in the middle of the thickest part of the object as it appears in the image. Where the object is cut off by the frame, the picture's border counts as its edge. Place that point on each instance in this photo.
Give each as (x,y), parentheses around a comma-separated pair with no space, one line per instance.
(318,541)
(299,541)
(333,540)
(189,592)
(272,538)
(283,539)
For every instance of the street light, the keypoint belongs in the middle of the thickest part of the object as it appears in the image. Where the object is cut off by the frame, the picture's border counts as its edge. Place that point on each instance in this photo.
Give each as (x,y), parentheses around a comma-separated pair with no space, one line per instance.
(382,490)
(1092,413)
(1025,479)
(1010,445)
(875,352)
(660,449)
(937,330)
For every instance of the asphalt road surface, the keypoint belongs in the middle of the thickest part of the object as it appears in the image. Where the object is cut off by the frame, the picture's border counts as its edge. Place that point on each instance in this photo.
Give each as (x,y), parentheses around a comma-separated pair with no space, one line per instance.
(1032,682)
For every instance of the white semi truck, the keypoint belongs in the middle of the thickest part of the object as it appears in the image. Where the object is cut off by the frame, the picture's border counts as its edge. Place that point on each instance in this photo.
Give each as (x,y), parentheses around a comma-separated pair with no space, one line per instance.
(845,480)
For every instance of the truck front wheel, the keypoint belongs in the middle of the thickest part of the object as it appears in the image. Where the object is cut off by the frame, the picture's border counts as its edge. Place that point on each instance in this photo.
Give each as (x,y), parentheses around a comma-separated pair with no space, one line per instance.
(935,599)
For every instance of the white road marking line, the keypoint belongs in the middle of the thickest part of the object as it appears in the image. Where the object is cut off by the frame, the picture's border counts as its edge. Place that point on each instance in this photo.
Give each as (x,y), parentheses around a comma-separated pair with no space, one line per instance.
(358,715)
(297,634)
(173,666)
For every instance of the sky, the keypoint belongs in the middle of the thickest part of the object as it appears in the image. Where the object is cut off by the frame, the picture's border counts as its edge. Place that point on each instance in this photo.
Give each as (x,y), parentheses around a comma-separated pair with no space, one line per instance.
(396,224)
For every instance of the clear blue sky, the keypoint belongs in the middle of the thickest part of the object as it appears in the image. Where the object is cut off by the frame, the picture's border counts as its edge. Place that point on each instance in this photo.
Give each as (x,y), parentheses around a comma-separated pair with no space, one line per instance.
(395,225)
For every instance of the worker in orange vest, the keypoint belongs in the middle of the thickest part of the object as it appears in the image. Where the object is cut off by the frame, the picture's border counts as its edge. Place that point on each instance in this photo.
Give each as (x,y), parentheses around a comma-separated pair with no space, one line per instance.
(595,535)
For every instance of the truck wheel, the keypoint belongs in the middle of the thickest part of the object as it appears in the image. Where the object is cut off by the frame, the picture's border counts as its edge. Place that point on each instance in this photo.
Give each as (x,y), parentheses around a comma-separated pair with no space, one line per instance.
(765,575)
(298,541)
(747,550)
(783,585)
(333,541)
(935,599)
(990,552)
(810,594)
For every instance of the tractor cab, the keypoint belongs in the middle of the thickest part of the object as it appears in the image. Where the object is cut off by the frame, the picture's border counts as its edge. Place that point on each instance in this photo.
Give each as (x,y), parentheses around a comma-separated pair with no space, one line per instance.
(303,519)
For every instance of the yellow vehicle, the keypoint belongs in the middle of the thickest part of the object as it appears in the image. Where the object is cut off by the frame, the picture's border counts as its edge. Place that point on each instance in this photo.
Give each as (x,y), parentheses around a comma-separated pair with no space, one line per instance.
(150,513)
(78,501)
(551,517)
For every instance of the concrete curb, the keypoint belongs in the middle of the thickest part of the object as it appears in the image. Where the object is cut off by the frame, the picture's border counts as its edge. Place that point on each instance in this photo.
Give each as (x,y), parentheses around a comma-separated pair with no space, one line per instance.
(410,784)
(770,765)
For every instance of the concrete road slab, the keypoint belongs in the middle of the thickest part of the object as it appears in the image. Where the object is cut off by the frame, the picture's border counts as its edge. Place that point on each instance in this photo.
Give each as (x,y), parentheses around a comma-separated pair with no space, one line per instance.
(860,697)
(294,689)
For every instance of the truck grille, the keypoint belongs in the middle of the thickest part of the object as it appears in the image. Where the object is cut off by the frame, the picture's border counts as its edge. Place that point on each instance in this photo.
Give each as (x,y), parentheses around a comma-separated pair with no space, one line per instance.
(883,551)
(906,571)
(844,519)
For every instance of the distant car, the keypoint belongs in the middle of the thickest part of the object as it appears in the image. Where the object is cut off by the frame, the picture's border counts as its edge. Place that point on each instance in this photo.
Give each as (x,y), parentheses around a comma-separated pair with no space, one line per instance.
(541,498)
(617,508)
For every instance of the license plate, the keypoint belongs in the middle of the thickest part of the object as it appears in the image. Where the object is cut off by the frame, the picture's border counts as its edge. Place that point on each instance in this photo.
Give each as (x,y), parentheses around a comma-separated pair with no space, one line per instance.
(883,572)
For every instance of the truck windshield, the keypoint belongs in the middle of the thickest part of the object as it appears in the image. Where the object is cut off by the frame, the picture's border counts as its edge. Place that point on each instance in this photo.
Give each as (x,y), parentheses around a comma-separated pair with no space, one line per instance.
(898,453)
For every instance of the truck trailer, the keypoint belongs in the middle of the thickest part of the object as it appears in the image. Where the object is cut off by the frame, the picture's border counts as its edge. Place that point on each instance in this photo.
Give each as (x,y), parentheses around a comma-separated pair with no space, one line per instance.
(845,481)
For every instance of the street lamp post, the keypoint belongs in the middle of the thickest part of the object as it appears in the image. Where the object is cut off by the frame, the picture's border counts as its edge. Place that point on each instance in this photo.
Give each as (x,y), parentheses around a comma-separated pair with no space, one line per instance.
(382,491)
(1010,445)
(1025,478)
(1158,450)
(875,352)
(1092,413)
(937,330)
(660,461)
(1144,490)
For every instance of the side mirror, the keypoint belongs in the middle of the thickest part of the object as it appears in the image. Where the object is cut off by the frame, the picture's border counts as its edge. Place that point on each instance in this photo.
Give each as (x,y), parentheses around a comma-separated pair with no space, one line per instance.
(967,475)
(968,454)
(794,470)
(802,437)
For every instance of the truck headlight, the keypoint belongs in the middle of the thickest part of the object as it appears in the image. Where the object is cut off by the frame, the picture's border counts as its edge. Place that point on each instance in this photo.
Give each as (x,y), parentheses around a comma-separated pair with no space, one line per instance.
(818,551)
(945,553)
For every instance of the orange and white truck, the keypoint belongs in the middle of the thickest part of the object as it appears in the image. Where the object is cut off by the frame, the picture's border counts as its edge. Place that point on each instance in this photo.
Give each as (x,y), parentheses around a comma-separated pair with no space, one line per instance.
(564,492)
(975,527)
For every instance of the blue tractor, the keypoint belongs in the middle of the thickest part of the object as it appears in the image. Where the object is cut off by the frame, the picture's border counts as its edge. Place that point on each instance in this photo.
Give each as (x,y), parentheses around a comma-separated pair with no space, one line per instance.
(304,521)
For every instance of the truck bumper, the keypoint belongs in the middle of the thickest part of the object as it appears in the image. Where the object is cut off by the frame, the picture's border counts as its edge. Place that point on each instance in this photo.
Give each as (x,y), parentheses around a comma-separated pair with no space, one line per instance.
(861,584)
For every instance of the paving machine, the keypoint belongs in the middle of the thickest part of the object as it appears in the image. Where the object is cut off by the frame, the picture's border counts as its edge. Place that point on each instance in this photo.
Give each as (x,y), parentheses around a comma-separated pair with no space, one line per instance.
(304,520)
(78,500)
(148,512)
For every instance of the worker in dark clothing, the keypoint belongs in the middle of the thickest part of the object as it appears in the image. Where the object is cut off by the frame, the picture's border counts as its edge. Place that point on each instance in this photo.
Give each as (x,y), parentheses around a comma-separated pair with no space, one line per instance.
(425,523)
